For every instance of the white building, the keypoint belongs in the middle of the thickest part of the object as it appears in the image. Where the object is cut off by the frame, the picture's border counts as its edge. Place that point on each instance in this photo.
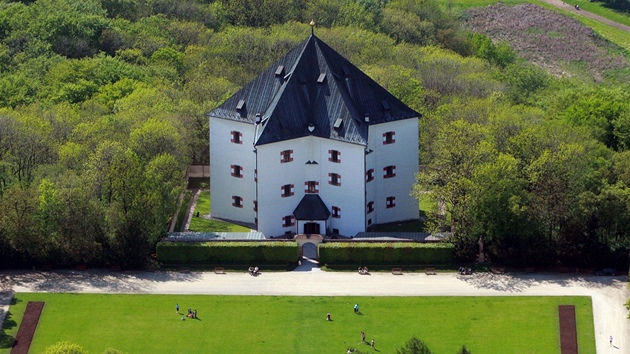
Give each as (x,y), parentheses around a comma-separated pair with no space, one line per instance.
(313,145)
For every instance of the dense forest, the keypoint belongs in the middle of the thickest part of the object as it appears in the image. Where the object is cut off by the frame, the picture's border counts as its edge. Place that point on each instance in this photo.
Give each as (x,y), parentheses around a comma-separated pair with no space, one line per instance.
(103,102)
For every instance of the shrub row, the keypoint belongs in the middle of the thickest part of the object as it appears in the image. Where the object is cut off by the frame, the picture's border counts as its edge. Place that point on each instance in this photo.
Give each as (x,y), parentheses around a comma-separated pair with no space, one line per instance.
(227,252)
(385,253)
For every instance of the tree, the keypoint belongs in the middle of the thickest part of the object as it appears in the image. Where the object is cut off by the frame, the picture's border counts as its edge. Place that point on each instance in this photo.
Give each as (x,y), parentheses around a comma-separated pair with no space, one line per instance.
(414,346)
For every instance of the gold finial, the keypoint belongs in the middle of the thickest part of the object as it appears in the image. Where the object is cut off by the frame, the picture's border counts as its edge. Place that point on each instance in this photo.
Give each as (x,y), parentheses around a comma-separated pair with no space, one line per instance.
(312,26)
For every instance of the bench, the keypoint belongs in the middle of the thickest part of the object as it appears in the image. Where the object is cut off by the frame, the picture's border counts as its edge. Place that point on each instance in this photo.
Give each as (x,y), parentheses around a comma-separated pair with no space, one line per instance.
(397,271)
(115,268)
(530,270)
(46,267)
(430,271)
(496,270)
(184,270)
(82,267)
(219,270)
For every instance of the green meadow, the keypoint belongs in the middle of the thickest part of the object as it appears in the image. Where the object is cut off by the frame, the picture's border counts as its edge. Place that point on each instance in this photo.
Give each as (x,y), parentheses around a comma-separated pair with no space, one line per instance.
(289,324)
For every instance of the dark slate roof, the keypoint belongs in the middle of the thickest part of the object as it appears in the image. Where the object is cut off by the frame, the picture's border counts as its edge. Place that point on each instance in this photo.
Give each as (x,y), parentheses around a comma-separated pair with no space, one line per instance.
(315,86)
(311,207)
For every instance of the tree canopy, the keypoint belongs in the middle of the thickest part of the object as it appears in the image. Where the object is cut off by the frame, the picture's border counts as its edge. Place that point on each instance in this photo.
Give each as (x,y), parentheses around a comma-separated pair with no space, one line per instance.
(103,103)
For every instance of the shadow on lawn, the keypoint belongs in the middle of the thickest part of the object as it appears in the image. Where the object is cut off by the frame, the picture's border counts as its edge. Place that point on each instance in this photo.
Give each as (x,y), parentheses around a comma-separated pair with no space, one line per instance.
(74,281)
(516,283)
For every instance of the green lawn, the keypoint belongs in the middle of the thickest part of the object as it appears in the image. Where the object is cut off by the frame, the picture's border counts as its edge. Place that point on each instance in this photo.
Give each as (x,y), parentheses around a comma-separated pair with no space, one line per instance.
(279,324)
(200,224)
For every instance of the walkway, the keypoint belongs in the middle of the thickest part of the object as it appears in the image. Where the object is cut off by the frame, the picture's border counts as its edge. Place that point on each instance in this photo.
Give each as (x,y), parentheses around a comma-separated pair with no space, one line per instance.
(569,7)
(608,293)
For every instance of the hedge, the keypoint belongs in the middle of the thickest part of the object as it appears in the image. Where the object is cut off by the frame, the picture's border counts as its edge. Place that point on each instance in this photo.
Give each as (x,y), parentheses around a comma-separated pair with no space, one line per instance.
(227,252)
(385,253)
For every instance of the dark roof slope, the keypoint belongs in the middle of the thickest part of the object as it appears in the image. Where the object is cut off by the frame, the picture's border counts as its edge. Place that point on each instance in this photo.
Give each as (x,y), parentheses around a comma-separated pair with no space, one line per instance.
(313,90)
(311,207)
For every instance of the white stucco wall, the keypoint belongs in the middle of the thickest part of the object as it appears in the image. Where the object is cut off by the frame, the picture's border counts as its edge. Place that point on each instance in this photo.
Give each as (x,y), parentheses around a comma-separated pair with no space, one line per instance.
(224,154)
(272,175)
(403,154)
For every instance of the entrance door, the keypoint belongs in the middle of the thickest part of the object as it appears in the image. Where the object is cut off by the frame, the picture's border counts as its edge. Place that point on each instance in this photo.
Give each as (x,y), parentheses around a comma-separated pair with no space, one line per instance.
(311,228)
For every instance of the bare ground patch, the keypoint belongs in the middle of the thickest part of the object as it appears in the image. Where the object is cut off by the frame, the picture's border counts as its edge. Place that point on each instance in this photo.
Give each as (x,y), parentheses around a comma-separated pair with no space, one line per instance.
(557,43)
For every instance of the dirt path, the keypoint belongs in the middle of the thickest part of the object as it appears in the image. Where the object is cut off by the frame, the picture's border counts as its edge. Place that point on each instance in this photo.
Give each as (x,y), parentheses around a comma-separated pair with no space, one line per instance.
(567,6)
(607,293)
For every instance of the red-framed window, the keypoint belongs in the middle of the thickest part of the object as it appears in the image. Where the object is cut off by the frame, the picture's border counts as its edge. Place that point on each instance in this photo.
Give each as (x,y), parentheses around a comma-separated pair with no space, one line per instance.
(334,179)
(288,190)
(237,201)
(389,137)
(286,156)
(311,187)
(334,156)
(237,137)
(390,202)
(288,221)
(370,207)
(255,175)
(369,175)
(336,212)
(236,171)
(389,171)
(255,205)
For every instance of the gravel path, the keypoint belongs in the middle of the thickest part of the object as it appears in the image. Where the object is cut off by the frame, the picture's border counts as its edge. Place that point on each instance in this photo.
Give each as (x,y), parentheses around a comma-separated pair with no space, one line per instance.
(608,293)
(568,6)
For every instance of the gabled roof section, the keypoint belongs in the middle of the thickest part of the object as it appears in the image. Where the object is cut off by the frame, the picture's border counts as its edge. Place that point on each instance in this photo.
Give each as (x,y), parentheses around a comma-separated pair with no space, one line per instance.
(313,90)
(311,207)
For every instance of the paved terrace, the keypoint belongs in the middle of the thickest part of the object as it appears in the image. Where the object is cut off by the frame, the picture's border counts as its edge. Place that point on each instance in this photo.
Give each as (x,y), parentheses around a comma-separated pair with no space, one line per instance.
(608,293)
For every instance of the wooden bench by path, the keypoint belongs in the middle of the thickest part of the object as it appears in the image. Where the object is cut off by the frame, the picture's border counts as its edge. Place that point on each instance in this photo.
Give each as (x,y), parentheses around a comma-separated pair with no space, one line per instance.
(219,270)
(184,270)
(430,271)
(397,271)
(27,327)
(81,267)
(568,329)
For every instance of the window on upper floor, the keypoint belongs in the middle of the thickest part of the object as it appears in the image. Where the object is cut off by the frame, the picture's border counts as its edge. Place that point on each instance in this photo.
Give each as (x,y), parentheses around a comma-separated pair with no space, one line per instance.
(237,137)
(389,137)
(287,190)
(334,156)
(334,179)
(369,175)
(390,202)
(370,207)
(255,205)
(311,187)
(236,171)
(389,171)
(237,201)
(286,156)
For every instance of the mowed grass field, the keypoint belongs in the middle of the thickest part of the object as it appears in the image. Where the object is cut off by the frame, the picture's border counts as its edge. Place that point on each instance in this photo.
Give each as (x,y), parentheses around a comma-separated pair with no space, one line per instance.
(287,324)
